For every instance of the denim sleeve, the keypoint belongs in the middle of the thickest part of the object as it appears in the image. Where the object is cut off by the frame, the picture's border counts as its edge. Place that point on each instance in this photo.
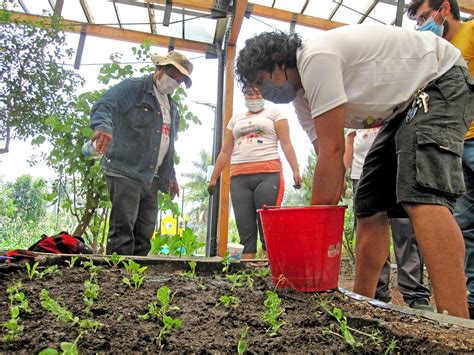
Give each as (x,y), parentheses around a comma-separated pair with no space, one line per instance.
(114,103)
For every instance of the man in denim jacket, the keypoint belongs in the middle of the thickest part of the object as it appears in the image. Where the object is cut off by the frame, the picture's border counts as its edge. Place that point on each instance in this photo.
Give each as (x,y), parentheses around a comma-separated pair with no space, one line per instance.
(135,125)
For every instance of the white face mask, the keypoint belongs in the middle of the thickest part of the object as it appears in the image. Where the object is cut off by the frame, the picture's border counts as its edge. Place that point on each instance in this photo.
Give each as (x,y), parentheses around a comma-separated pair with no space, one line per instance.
(166,85)
(255,105)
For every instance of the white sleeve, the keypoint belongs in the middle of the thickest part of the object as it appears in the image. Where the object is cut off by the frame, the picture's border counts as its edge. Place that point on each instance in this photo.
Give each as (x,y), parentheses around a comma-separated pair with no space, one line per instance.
(277,115)
(321,77)
(231,123)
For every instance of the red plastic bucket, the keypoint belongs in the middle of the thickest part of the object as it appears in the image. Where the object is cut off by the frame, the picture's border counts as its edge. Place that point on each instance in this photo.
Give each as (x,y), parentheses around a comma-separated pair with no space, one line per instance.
(304,246)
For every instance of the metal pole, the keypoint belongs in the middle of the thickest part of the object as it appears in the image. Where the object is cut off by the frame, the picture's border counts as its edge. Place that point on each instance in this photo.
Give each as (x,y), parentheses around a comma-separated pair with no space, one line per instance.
(213,210)
(400,10)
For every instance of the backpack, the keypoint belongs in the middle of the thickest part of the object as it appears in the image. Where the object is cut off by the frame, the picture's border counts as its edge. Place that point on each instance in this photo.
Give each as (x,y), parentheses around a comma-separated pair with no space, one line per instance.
(62,243)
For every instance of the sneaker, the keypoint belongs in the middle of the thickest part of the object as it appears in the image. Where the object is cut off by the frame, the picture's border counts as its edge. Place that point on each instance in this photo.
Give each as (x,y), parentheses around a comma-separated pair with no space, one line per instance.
(422,305)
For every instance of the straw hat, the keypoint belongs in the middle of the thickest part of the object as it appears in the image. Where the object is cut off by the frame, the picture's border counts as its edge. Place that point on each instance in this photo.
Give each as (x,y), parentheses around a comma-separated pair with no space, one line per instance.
(179,61)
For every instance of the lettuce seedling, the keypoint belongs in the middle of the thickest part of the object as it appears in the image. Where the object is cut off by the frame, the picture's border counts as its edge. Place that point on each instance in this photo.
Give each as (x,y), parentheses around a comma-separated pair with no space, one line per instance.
(136,273)
(32,270)
(242,345)
(274,311)
(228,301)
(12,326)
(114,259)
(72,261)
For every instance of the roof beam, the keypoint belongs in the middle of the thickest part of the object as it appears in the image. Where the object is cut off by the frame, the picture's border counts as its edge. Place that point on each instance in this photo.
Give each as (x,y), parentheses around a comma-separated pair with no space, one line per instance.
(261,11)
(152,18)
(466,6)
(287,16)
(116,33)
(367,11)
(239,12)
(87,11)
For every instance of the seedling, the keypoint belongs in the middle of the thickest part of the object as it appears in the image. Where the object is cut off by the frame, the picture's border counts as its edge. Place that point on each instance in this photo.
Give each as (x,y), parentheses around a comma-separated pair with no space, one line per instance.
(228,301)
(32,269)
(192,273)
(274,311)
(67,348)
(65,315)
(72,261)
(54,307)
(15,295)
(226,263)
(12,326)
(235,280)
(242,345)
(392,346)
(136,272)
(114,259)
(91,293)
(48,271)
(164,298)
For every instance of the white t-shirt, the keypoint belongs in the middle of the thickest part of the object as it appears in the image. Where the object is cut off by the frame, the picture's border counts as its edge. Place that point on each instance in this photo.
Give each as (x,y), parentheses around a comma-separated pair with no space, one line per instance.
(363,140)
(373,69)
(165,127)
(255,136)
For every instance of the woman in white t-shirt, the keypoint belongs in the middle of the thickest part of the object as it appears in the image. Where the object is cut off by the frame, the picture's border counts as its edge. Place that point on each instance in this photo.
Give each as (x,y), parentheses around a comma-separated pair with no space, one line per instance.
(251,146)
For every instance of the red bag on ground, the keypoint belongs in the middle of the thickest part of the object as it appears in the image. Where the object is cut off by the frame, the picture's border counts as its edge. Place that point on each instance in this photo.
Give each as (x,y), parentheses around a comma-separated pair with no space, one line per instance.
(62,243)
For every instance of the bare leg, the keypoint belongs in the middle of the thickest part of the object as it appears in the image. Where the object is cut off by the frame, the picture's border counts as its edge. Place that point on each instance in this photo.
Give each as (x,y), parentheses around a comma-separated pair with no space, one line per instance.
(372,248)
(441,245)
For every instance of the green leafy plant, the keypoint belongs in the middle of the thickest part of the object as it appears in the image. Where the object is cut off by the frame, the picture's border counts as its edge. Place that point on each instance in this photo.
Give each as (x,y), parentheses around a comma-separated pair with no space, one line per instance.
(161,312)
(48,271)
(240,279)
(391,346)
(273,312)
(242,345)
(54,307)
(72,261)
(12,326)
(114,259)
(67,348)
(136,272)
(228,301)
(32,269)
(192,273)
(15,295)
(226,263)
(91,294)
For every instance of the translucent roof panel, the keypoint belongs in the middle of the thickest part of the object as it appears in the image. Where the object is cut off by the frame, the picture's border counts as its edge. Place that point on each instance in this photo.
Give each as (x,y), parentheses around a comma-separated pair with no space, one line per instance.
(321,8)
(104,13)
(39,7)
(73,10)
(134,18)
(385,13)
(199,29)
(263,2)
(293,5)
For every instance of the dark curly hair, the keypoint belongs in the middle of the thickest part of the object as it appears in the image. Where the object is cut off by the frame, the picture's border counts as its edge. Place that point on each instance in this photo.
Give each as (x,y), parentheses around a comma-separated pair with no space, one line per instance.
(263,52)
(435,5)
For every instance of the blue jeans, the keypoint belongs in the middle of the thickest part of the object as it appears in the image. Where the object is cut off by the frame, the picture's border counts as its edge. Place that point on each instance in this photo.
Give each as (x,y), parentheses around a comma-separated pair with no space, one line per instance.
(464,214)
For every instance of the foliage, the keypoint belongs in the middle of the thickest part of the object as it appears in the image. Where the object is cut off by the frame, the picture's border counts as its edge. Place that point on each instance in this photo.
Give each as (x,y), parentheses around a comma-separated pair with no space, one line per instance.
(192,273)
(307,177)
(66,347)
(114,259)
(12,326)
(196,192)
(226,263)
(72,261)
(22,199)
(168,323)
(228,300)
(34,86)
(273,312)
(136,273)
(33,272)
(186,243)
(242,345)
(15,295)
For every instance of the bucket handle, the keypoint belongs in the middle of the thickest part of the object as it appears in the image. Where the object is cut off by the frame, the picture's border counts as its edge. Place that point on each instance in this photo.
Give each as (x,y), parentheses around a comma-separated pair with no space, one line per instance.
(266,207)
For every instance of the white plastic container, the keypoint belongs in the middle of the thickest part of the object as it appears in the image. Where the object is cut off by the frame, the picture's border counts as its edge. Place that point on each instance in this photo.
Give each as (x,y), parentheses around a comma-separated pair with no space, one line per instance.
(89,150)
(235,251)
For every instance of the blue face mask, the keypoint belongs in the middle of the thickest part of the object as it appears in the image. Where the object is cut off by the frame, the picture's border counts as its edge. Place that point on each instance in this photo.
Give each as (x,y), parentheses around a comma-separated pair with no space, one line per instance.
(278,94)
(431,25)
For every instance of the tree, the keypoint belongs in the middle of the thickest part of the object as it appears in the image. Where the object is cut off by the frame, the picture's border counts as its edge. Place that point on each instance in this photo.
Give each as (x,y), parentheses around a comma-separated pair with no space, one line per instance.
(34,85)
(197,193)
(26,195)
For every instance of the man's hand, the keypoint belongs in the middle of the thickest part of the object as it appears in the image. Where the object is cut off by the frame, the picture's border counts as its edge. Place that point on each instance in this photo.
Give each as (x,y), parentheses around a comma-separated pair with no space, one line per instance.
(211,187)
(174,189)
(102,141)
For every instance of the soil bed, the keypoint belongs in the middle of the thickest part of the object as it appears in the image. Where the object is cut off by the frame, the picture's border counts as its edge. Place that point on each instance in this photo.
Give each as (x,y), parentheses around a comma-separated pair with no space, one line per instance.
(209,327)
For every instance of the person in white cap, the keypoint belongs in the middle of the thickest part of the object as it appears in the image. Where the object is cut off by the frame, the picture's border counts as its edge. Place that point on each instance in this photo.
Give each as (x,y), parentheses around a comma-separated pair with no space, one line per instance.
(135,124)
